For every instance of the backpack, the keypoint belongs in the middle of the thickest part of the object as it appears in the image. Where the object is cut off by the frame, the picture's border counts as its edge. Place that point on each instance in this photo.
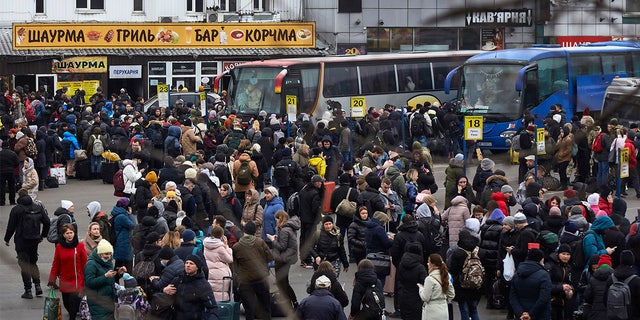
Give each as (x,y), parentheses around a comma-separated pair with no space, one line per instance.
(244,174)
(282,175)
(417,125)
(30,149)
(97,148)
(597,144)
(293,204)
(31,223)
(125,311)
(222,172)
(472,271)
(30,113)
(145,268)
(52,235)
(234,235)
(577,253)
(372,304)
(619,298)
(113,237)
(118,182)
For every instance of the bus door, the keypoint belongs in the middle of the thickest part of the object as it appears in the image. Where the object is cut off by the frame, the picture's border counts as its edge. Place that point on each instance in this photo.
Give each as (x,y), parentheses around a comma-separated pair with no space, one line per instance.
(292,95)
(590,91)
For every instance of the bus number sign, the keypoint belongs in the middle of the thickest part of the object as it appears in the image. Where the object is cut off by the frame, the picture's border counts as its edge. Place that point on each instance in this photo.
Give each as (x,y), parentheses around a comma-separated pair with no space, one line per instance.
(473,128)
(540,146)
(292,106)
(358,105)
(624,163)
(163,95)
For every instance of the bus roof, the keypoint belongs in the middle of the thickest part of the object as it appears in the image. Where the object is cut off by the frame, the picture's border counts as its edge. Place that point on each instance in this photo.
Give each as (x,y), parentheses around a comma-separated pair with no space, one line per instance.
(359,58)
(527,55)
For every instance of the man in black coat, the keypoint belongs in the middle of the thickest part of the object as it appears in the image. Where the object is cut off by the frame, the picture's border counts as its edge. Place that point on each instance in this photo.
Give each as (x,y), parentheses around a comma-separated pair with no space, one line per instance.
(530,294)
(339,194)
(8,164)
(310,211)
(622,272)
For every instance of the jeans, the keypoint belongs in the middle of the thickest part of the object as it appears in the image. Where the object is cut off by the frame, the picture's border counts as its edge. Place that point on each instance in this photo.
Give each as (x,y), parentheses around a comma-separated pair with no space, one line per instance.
(603,172)
(468,309)
(346,156)
(96,164)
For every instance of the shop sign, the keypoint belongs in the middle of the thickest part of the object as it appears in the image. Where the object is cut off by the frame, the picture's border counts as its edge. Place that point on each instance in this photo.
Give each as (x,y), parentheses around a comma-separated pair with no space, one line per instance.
(125,72)
(511,18)
(160,36)
(228,65)
(574,41)
(96,64)
(89,86)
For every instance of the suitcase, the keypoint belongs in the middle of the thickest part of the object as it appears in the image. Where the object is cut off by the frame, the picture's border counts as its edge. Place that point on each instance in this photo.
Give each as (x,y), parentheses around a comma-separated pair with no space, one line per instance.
(329,186)
(108,170)
(83,169)
(390,282)
(229,310)
(514,156)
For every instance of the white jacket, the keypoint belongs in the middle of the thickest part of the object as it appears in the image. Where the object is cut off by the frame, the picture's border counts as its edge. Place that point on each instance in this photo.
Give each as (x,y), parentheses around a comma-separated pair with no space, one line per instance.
(130,174)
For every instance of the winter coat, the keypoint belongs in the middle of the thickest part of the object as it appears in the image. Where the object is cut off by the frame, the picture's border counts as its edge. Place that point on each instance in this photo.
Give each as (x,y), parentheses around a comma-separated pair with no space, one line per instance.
(337,196)
(69,260)
(90,243)
(363,280)
(8,161)
(268,217)
(285,247)
(320,305)
(244,157)
(563,154)
(434,301)
(407,233)
(30,180)
(376,238)
(592,242)
(130,175)
(336,287)
(14,225)
(310,203)
(453,172)
(188,140)
(194,297)
(371,198)
(219,257)
(123,224)
(480,180)
(253,211)
(98,288)
(187,248)
(410,272)
(456,215)
(356,238)
(173,140)
(71,145)
(329,247)
(466,245)
(560,274)
(397,181)
(531,291)
(595,292)
(250,257)
(142,196)
(507,239)
(174,268)
(621,273)
(489,244)
(41,146)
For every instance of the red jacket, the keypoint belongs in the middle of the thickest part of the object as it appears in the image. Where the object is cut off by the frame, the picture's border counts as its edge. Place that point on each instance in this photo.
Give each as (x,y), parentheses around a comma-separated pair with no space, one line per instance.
(605,205)
(632,152)
(500,198)
(71,279)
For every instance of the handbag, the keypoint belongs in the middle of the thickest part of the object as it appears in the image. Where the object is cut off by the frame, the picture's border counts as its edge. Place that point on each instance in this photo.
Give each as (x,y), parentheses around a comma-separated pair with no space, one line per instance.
(162,304)
(59,173)
(509,268)
(80,154)
(52,310)
(84,309)
(381,263)
(346,208)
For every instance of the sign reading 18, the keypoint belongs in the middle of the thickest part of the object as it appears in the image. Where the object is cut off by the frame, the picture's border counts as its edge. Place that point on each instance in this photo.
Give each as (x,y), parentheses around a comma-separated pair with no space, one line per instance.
(474,123)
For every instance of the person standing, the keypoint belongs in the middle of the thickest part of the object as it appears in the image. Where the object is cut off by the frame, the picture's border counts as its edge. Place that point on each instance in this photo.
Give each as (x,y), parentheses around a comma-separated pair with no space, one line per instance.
(436,291)
(99,278)
(8,164)
(123,222)
(69,260)
(311,197)
(285,252)
(30,224)
(530,294)
(321,304)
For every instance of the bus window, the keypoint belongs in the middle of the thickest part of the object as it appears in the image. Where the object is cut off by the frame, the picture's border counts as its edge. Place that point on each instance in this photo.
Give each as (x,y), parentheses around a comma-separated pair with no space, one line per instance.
(440,70)
(340,81)
(614,64)
(585,65)
(378,79)
(255,91)
(309,89)
(414,77)
(635,60)
(552,76)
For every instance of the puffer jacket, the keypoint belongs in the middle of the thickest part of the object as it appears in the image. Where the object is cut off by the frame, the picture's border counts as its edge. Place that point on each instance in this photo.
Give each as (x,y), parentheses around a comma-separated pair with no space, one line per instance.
(328,247)
(244,157)
(595,292)
(70,143)
(124,224)
(130,175)
(407,233)
(173,137)
(194,297)
(30,179)
(98,288)
(253,211)
(285,247)
(592,242)
(355,236)
(489,242)
(188,140)
(397,182)
(371,198)
(456,215)
(174,267)
(410,272)
(219,257)
(268,217)
(376,238)
(531,291)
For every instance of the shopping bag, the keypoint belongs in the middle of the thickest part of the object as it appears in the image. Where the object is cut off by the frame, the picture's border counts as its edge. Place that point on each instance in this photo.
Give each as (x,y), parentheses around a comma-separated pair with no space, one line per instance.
(509,267)
(52,309)
(84,309)
(80,154)
(58,173)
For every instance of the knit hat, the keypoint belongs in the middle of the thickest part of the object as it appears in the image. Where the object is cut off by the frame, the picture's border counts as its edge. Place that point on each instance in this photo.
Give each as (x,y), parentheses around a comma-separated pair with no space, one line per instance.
(499,172)
(570,227)
(605,259)
(104,247)
(570,193)
(593,199)
(190,173)
(497,215)
(373,180)
(506,188)
(66,204)
(520,218)
(487,164)
(122,202)
(510,221)
(345,178)
(286,152)
(152,237)
(613,121)
(250,227)
(196,260)
(594,259)
(166,253)
(93,207)
(530,157)
(151,177)
(327,218)
(381,216)
(316,178)
(459,157)
(171,194)
(564,248)
(555,211)
(129,281)
(535,255)
(272,190)
(323,282)
(627,258)
(576,210)
(188,235)
(619,207)
(179,159)
(472,224)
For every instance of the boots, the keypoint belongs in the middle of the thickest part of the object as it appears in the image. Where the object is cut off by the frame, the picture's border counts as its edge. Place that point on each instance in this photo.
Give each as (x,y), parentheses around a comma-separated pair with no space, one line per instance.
(38,290)
(27,294)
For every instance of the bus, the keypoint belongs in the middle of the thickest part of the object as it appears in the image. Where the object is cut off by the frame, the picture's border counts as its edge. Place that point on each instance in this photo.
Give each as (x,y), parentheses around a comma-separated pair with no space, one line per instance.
(622,101)
(316,85)
(502,85)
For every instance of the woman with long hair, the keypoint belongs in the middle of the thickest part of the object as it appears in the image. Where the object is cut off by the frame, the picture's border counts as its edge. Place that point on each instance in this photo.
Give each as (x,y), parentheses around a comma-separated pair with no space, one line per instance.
(285,252)
(436,291)
(218,256)
(93,237)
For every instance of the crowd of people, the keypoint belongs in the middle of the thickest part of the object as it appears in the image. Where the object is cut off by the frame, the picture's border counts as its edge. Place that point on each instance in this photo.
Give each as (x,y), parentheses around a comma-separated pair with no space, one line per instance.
(209,205)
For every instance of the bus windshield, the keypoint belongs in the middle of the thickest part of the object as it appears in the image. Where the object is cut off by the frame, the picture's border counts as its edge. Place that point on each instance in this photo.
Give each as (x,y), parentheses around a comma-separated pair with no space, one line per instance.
(489,90)
(253,90)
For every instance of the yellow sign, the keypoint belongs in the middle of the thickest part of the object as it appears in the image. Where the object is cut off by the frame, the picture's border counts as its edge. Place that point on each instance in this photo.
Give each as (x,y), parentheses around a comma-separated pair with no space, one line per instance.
(80,65)
(358,107)
(89,87)
(624,163)
(163,95)
(292,105)
(473,128)
(540,146)
(155,35)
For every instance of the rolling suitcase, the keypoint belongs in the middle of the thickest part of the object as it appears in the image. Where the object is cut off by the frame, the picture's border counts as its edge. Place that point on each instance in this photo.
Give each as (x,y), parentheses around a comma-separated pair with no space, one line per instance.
(229,310)
(108,170)
(83,169)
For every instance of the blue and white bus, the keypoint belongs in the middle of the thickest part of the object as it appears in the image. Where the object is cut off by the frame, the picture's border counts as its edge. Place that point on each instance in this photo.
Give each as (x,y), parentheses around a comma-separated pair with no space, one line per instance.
(502,85)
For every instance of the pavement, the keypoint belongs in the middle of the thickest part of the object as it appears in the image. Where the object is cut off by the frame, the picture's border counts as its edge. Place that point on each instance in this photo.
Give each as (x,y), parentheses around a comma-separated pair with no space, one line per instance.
(83,192)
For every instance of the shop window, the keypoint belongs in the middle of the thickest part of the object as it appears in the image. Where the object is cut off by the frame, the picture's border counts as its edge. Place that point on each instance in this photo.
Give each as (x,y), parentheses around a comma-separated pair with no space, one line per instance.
(137,6)
(402,39)
(40,7)
(633,7)
(436,39)
(378,39)
(90,4)
(195,6)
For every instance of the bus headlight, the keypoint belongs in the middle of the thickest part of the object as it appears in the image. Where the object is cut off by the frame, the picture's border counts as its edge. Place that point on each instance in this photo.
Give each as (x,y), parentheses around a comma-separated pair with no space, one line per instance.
(507,135)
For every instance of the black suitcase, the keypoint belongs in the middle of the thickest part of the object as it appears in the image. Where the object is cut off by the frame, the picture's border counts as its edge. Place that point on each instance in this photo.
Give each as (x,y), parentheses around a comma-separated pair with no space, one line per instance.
(108,170)
(83,169)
